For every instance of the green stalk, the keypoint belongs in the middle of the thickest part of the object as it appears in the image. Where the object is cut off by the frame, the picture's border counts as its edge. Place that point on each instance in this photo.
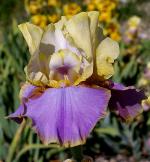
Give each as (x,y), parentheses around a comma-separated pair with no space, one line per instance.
(15,141)
(54,149)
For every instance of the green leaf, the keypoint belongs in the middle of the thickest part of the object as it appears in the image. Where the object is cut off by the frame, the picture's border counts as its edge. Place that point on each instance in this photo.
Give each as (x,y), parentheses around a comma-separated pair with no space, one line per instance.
(107,130)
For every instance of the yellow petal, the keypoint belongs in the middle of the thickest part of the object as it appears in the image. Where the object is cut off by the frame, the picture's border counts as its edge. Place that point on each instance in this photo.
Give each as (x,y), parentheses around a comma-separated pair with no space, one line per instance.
(94,18)
(83,28)
(39,62)
(48,35)
(96,30)
(106,53)
(36,77)
(54,37)
(60,23)
(79,29)
(32,35)
(87,71)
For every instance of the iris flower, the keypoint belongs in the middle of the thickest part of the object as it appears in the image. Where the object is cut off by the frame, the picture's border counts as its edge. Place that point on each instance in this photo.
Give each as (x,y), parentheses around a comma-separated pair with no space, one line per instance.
(68,90)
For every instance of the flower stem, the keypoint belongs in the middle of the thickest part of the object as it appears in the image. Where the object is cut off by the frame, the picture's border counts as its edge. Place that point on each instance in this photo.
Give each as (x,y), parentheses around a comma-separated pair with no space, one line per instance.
(15,142)
(77,153)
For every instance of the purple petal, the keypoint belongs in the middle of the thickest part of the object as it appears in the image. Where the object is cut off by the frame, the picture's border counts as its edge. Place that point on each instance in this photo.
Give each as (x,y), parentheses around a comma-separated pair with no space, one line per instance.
(26,90)
(17,115)
(126,101)
(65,115)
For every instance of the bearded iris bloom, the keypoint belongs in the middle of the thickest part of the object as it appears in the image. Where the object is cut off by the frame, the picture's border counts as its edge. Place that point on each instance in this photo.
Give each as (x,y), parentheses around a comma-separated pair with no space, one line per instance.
(68,88)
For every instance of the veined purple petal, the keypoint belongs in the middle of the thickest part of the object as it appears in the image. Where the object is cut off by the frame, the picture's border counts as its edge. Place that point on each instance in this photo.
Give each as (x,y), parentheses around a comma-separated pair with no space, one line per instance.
(126,101)
(65,115)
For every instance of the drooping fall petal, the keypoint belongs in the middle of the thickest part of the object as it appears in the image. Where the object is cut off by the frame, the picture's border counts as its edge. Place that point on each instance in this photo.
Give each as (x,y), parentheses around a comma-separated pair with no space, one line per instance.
(126,101)
(65,115)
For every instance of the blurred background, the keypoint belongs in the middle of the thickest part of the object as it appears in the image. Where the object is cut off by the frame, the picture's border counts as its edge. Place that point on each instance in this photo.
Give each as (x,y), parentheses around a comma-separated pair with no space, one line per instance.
(126,21)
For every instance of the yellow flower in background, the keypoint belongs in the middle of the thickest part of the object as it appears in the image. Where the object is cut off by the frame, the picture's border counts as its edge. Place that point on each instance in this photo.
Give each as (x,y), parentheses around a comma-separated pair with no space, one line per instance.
(91,7)
(144,81)
(34,7)
(71,9)
(96,1)
(55,9)
(40,20)
(53,18)
(54,3)
(134,22)
(113,30)
(106,5)
(132,32)
(105,16)
(36,19)
(115,36)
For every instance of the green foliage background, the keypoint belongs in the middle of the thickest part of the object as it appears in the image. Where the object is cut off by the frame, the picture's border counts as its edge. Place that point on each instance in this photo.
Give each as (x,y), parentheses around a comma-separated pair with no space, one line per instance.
(111,137)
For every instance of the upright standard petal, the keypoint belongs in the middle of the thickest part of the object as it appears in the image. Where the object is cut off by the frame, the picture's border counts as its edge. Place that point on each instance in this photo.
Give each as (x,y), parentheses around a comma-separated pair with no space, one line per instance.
(95,30)
(82,28)
(32,35)
(54,37)
(78,28)
(106,53)
(37,71)
(126,101)
(65,115)
(94,19)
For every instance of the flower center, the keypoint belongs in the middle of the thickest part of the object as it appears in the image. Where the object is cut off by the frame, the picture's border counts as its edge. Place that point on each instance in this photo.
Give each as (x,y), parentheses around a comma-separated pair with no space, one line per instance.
(64,67)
